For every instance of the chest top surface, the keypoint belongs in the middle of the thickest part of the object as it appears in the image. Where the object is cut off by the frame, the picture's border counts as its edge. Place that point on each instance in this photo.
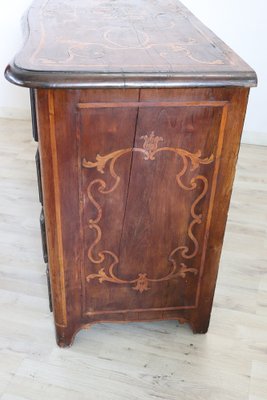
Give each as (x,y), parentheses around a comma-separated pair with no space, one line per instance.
(122,43)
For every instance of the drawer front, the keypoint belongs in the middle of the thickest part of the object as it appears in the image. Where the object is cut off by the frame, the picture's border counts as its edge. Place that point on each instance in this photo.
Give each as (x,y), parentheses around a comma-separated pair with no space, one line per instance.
(43,236)
(39,179)
(34,116)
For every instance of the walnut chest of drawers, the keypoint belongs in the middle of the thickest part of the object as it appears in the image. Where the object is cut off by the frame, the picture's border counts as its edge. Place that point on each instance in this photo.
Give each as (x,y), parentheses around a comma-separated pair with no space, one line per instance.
(138,111)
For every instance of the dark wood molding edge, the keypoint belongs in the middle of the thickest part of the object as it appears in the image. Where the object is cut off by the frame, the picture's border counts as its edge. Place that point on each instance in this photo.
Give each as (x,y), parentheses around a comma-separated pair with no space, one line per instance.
(81,80)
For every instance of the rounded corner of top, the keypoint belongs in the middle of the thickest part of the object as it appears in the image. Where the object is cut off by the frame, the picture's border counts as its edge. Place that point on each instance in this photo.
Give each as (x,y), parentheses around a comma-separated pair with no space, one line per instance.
(15,74)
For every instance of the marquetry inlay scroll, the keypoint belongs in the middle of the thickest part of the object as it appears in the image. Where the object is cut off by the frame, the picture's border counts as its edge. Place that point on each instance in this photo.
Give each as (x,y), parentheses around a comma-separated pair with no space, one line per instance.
(98,35)
(150,150)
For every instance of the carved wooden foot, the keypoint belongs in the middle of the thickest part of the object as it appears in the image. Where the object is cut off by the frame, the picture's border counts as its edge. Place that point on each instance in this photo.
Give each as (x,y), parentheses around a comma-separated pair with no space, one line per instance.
(65,336)
(200,326)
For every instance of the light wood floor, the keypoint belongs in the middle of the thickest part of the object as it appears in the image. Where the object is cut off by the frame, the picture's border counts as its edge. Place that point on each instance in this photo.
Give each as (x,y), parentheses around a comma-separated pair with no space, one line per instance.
(133,361)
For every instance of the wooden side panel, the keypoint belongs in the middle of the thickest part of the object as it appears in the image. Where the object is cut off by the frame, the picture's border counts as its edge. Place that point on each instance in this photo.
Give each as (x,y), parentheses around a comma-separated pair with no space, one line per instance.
(104,186)
(168,203)
(155,260)
(47,159)
(238,98)
(137,187)
(58,151)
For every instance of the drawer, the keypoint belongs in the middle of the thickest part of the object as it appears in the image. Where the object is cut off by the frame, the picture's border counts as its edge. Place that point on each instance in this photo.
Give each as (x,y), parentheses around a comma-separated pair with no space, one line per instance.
(33,114)
(38,171)
(43,236)
(49,288)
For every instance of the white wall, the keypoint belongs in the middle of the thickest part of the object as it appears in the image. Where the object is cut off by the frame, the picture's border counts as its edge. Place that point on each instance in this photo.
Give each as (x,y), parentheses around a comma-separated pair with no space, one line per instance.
(14,101)
(240,23)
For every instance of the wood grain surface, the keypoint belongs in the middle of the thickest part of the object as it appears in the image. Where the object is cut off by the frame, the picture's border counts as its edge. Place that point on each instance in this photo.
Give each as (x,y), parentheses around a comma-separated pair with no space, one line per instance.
(120,43)
(136,195)
(136,157)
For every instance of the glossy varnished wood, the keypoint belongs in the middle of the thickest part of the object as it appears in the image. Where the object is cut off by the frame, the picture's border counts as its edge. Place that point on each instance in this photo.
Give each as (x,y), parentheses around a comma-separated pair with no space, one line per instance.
(138,111)
(141,360)
(135,237)
(142,43)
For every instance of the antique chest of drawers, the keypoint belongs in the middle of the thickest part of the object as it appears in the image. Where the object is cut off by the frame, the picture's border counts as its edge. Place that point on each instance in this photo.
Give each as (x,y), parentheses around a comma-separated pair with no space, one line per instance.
(138,111)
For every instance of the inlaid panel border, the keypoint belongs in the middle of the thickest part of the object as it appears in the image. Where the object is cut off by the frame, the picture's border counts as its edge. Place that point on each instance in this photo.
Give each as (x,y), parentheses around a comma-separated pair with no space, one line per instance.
(58,212)
(149,150)
(135,104)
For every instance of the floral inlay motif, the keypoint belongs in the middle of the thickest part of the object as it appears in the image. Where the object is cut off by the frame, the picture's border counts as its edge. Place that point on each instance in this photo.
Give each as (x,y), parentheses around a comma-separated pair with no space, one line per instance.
(150,149)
